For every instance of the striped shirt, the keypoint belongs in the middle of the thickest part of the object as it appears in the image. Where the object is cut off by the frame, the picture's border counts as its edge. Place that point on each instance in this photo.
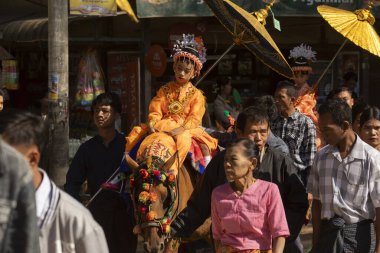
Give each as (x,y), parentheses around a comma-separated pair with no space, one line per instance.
(298,132)
(348,187)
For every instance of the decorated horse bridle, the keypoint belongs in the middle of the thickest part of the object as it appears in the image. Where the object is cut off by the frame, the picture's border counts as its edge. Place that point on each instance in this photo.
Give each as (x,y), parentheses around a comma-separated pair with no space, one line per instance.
(145,178)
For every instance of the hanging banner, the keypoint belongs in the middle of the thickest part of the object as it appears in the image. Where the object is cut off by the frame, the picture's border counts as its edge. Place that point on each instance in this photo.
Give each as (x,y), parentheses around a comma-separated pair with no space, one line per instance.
(181,8)
(93,7)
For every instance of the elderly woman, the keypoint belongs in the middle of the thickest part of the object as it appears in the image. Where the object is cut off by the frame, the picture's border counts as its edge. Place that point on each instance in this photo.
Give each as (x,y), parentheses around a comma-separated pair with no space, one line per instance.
(370,127)
(247,213)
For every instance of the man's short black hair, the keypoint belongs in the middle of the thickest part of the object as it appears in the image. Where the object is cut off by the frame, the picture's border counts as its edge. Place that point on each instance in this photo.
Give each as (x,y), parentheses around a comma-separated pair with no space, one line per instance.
(339,110)
(266,102)
(290,88)
(338,90)
(23,128)
(107,98)
(251,114)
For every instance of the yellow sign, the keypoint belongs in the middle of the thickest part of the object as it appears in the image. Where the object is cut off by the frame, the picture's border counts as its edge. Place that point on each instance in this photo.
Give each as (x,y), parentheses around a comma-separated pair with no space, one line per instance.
(93,7)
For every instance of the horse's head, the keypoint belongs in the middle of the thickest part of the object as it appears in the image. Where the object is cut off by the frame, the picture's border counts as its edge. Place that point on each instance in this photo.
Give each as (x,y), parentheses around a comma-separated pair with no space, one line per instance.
(154,194)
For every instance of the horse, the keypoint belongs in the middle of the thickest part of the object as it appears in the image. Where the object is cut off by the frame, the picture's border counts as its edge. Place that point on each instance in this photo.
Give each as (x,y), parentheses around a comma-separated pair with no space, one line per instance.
(160,190)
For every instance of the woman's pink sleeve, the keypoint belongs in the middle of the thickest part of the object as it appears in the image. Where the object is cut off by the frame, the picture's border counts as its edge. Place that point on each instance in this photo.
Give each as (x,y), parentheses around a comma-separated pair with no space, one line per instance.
(216,225)
(276,214)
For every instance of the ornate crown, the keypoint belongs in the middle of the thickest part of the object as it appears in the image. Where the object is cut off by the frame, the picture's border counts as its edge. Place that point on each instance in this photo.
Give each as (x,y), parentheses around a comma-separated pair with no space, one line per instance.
(301,57)
(191,47)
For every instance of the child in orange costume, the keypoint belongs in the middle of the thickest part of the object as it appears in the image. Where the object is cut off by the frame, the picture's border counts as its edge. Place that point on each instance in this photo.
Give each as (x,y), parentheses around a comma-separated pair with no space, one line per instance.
(301,57)
(178,106)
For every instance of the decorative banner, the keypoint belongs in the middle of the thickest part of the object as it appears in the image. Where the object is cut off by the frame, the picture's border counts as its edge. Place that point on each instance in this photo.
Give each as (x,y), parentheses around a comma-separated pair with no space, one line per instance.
(10,75)
(155,60)
(178,8)
(93,7)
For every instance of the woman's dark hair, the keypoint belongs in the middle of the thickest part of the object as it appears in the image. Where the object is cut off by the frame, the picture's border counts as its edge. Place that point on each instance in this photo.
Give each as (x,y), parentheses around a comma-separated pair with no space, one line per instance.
(222,81)
(107,98)
(23,128)
(358,108)
(251,114)
(2,93)
(371,113)
(251,149)
(339,110)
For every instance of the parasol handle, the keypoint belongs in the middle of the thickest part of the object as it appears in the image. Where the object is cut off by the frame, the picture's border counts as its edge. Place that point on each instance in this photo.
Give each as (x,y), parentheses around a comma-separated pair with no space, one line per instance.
(215,63)
(315,86)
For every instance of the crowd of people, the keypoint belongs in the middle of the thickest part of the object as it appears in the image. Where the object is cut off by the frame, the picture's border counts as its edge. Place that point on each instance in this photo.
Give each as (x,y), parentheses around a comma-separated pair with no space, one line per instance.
(279,164)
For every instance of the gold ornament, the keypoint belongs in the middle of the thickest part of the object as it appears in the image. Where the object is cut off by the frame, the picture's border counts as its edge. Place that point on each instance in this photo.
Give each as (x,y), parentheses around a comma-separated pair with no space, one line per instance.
(175,107)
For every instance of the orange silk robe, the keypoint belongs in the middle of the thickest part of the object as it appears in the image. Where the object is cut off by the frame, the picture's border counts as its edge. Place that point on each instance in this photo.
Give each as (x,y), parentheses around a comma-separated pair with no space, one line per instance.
(190,117)
(306,103)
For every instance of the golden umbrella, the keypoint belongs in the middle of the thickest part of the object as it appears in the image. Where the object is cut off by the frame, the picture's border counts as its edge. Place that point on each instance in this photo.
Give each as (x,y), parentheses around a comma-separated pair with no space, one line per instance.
(355,26)
(248,30)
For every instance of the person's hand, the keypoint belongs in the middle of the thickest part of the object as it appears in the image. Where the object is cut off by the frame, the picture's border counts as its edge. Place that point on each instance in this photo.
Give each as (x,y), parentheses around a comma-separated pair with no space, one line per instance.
(151,128)
(177,131)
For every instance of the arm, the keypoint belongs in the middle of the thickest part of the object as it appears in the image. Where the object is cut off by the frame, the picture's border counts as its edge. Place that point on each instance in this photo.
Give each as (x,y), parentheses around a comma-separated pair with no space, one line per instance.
(76,174)
(155,107)
(316,214)
(218,246)
(309,145)
(277,223)
(197,110)
(278,244)
(216,224)
(198,207)
(374,191)
(95,241)
(26,232)
(294,198)
(219,113)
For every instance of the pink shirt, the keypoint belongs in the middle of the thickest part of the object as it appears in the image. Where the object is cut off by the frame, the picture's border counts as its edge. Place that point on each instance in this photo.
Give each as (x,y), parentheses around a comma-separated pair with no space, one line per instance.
(251,220)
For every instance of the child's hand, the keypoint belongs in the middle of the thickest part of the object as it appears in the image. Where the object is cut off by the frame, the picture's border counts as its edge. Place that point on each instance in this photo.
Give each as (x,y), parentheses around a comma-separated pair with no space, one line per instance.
(151,129)
(177,131)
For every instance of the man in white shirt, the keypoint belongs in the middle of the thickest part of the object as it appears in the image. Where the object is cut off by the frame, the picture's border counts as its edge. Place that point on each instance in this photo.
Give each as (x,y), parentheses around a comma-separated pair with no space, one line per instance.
(65,225)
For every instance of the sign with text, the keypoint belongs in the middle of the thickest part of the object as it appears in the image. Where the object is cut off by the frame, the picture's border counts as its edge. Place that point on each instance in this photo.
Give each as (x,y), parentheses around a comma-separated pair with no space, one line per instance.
(93,7)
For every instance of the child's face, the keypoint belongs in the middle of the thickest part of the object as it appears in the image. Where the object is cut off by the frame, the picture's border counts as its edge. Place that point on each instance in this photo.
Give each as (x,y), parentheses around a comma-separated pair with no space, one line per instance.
(183,72)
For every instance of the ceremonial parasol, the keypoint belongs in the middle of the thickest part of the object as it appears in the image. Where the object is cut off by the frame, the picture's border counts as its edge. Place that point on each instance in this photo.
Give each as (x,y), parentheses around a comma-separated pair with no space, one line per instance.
(248,30)
(355,26)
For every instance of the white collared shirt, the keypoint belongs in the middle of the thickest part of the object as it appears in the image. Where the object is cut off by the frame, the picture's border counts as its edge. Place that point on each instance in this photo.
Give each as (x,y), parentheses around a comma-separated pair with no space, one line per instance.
(43,197)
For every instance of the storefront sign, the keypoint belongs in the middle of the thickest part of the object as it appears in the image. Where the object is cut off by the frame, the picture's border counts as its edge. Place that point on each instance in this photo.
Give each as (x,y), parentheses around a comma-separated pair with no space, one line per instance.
(93,7)
(155,60)
(175,8)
